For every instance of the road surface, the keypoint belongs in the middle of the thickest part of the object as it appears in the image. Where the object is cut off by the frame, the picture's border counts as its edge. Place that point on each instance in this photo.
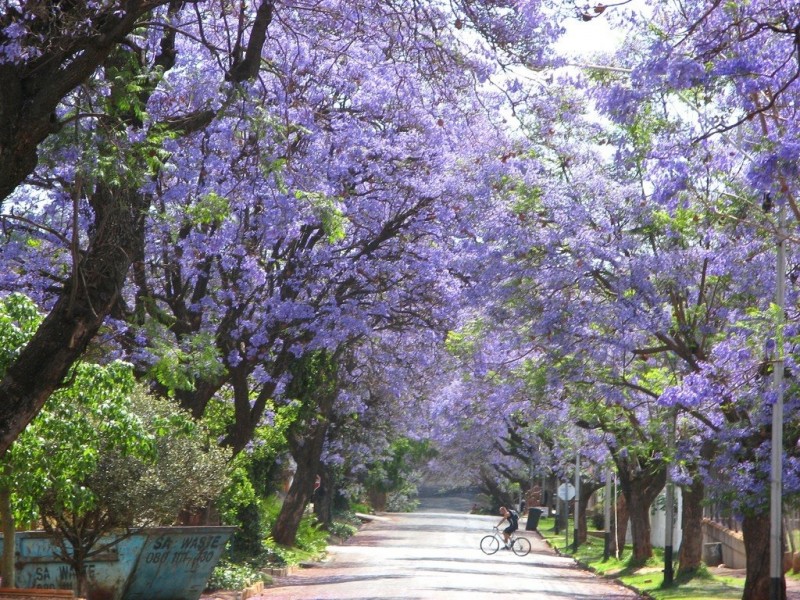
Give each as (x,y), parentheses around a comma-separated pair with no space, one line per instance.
(434,554)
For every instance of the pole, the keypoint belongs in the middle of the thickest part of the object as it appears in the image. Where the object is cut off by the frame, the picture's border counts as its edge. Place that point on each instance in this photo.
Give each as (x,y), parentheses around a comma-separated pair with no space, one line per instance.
(575,528)
(558,511)
(617,549)
(776,463)
(607,516)
(670,509)
(566,518)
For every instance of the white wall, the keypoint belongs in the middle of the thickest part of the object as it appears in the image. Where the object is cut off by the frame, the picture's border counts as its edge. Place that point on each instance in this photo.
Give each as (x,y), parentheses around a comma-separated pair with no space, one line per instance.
(658,522)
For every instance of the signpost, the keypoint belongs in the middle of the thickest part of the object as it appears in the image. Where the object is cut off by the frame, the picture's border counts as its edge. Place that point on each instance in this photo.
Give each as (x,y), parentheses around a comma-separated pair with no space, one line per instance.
(565,493)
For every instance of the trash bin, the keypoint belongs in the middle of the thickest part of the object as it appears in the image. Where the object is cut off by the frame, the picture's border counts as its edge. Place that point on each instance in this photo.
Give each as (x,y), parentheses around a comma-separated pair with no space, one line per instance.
(152,563)
(533,519)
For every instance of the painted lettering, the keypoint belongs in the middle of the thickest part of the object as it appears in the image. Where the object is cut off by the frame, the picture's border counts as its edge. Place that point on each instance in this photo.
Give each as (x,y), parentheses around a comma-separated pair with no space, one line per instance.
(162,543)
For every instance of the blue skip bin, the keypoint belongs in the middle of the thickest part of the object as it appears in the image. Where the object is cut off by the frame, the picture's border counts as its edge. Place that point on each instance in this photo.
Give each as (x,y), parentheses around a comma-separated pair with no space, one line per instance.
(155,563)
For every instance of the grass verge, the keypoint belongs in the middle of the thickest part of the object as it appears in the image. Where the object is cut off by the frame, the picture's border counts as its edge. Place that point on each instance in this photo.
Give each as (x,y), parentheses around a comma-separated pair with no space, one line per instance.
(648,578)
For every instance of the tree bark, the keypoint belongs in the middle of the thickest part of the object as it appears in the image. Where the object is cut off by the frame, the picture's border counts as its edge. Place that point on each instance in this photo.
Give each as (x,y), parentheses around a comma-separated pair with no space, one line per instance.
(377,499)
(756,545)
(323,497)
(9,534)
(641,481)
(619,529)
(690,556)
(307,456)
(315,383)
(639,513)
(588,488)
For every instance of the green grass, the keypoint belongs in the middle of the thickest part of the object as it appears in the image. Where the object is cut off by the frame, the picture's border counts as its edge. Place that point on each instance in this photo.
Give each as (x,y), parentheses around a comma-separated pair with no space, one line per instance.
(647,578)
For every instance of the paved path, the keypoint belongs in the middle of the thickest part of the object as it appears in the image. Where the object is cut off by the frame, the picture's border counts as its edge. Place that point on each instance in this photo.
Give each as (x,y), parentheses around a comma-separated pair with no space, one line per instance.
(435,555)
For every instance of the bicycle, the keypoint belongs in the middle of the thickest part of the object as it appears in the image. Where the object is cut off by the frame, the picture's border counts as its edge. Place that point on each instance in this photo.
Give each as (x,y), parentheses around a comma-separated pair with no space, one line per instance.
(491,543)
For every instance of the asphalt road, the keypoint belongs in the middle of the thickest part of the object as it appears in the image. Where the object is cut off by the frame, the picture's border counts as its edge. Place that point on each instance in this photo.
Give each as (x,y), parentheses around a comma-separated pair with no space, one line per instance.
(434,554)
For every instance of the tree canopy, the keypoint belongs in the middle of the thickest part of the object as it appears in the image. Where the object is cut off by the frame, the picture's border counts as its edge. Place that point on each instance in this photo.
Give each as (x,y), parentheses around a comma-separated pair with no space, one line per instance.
(426,214)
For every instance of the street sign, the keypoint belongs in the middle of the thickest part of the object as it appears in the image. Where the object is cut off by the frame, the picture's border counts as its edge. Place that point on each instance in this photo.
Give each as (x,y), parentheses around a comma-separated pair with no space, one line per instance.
(566,492)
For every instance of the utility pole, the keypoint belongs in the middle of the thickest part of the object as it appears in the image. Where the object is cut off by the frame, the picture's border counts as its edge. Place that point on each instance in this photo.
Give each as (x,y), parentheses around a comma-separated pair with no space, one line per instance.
(776,463)
(575,528)
(607,516)
(669,507)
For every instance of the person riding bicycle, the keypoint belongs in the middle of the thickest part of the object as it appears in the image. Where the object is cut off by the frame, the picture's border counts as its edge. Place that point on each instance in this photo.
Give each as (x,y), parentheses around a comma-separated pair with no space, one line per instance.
(513,523)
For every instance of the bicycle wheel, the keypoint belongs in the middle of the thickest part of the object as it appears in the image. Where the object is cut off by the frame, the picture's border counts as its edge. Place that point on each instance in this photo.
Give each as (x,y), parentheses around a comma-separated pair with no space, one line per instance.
(521,546)
(489,544)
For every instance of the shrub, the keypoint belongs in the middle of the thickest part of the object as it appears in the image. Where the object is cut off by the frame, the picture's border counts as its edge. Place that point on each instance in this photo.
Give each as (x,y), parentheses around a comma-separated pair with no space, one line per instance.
(358,507)
(310,537)
(342,530)
(402,501)
(229,576)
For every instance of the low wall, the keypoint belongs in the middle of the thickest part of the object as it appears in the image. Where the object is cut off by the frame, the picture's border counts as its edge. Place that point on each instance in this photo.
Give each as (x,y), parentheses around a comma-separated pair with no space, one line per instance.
(733,555)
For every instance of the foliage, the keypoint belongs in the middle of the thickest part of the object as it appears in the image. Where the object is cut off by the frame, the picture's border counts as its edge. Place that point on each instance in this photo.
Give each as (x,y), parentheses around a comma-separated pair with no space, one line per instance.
(342,530)
(393,473)
(104,455)
(178,471)
(359,507)
(234,576)
(403,500)
(19,318)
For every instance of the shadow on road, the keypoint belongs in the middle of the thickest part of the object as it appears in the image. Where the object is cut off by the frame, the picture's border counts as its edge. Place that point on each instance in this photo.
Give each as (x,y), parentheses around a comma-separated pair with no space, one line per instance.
(294,581)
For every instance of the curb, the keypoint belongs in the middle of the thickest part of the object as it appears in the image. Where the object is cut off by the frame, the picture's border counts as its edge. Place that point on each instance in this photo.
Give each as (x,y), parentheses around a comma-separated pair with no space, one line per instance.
(252,591)
(279,571)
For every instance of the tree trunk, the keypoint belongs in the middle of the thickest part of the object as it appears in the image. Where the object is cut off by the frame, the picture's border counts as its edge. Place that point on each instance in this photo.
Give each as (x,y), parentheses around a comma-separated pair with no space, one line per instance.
(587,489)
(639,513)
(756,545)
(619,529)
(377,499)
(323,497)
(9,533)
(499,496)
(691,553)
(79,569)
(641,480)
(307,456)
(315,383)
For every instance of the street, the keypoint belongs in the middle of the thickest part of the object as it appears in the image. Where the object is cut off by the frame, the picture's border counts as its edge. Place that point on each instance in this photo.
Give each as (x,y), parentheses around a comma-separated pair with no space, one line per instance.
(434,553)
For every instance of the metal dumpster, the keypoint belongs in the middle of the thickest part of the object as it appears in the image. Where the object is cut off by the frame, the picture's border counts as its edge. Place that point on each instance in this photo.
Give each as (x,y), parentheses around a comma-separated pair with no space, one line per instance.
(154,563)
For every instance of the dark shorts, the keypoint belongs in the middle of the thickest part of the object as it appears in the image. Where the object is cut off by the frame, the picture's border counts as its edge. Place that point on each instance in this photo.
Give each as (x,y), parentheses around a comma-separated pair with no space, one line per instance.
(510,529)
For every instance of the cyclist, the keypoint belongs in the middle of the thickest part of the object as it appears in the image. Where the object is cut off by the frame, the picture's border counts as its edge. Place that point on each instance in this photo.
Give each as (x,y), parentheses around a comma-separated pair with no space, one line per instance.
(513,523)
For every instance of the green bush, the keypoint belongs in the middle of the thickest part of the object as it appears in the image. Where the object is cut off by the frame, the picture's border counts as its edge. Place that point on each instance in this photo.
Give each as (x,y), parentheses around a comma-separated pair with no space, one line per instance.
(229,576)
(310,537)
(358,507)
(248,540)
(402,501)
(342,530)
